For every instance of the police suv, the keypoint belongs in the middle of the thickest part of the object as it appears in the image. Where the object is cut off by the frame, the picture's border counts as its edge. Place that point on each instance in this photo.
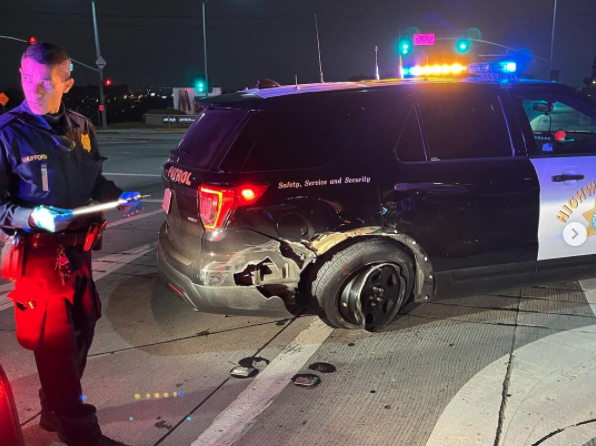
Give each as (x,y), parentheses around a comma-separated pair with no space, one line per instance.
(357,197)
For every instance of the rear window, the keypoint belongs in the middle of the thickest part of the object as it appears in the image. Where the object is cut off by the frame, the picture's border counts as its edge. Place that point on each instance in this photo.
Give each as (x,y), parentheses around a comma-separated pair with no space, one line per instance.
(207,136)
(296,139)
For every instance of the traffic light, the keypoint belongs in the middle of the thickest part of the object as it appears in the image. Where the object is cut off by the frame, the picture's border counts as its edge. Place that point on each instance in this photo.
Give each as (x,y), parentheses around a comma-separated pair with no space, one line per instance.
(108,82)
(201,85)
(404,46)
(463,45)
(31,40)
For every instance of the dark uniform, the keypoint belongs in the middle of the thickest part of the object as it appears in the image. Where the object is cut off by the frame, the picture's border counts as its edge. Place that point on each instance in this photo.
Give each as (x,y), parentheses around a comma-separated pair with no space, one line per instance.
(53,162)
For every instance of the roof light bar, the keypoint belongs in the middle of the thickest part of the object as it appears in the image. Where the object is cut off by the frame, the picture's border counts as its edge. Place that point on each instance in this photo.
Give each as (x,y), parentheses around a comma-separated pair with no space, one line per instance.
(433,70)
(493,68)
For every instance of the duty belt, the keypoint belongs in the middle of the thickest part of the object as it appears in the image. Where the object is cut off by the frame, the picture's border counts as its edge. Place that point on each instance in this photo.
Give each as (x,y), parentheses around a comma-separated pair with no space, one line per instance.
(67,240)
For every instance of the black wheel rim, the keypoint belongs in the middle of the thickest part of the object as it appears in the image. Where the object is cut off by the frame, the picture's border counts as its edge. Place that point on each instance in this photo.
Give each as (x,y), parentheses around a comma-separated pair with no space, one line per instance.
(372,298)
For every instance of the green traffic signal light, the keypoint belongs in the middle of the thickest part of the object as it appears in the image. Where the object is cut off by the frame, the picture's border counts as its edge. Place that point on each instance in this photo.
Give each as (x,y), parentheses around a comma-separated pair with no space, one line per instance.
(404,46)
(463,45)
(200,86)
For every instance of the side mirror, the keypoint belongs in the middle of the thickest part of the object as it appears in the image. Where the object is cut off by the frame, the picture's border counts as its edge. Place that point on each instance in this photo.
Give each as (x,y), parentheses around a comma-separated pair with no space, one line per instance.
(543,107)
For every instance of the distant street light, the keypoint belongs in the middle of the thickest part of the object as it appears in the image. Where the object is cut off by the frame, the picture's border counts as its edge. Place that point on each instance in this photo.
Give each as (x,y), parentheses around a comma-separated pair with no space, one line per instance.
(377,77)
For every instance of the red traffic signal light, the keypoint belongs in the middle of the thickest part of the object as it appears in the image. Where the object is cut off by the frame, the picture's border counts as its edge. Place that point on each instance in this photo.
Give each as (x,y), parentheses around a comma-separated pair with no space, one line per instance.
(108,82)
(31,40)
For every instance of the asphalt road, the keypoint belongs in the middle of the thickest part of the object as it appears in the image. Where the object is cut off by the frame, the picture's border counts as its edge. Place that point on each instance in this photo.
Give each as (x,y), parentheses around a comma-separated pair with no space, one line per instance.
(516,367)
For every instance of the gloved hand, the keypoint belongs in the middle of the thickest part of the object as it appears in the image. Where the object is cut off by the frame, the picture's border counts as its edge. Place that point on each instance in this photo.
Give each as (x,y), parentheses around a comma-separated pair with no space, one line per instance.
(132,207)
(50,218)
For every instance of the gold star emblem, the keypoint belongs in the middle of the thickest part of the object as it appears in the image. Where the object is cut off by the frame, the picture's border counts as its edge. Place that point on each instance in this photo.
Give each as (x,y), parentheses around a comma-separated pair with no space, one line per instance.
(591,220)
(86,141)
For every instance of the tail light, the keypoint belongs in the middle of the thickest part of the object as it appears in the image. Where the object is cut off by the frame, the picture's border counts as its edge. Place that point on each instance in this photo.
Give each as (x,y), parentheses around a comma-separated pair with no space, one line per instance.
(218,203)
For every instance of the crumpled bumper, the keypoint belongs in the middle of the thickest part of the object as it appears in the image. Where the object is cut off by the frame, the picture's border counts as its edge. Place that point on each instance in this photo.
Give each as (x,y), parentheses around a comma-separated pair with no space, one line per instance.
(222,299)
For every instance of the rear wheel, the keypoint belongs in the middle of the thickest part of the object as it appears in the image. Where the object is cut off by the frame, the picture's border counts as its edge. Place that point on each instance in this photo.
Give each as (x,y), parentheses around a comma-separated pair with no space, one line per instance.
(364,285)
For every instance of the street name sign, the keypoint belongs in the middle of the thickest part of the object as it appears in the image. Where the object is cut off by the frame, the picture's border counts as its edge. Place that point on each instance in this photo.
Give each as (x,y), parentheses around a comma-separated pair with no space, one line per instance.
(424,39)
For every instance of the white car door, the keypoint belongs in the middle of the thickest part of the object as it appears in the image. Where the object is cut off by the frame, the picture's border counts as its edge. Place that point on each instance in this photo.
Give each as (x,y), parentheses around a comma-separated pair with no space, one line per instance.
(563,128)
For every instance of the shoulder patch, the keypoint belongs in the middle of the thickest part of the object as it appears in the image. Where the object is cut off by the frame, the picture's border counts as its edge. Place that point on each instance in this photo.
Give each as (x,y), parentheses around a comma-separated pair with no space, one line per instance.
(77,115)
(81,120)
(7,118)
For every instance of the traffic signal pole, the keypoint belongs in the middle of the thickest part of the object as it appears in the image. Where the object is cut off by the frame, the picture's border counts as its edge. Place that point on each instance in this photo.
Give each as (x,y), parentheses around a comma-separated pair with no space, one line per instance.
(16,39)
(102,98)
(542,59)
(205,47)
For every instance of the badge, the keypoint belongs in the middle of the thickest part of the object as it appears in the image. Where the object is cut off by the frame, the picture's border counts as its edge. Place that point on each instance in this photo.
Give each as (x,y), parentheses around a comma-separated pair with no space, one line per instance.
(86,141)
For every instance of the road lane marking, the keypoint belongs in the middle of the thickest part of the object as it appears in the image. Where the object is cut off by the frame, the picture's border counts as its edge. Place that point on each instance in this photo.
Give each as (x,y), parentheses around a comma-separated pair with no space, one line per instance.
(6,287)
(551,387)
(123,221)
(238,417)
(110,263)
(102,267)
(133,174)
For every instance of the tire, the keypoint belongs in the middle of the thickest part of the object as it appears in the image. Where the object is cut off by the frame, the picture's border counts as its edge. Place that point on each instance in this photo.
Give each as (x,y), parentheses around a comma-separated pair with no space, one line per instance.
(363,285)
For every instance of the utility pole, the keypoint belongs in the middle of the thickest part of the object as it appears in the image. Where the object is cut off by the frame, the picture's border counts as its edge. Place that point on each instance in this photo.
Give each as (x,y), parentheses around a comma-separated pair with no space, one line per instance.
(102,98)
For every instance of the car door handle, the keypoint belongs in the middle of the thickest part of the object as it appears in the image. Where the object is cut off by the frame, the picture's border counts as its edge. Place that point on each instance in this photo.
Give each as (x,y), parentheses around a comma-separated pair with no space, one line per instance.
(449,189)
(407,187)
(566,177)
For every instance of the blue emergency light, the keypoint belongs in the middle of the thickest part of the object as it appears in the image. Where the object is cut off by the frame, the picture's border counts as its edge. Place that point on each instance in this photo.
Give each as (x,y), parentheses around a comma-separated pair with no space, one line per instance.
(492,68)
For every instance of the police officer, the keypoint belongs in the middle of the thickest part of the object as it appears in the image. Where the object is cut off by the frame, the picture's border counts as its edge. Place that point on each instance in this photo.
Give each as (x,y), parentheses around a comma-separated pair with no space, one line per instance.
(49,165)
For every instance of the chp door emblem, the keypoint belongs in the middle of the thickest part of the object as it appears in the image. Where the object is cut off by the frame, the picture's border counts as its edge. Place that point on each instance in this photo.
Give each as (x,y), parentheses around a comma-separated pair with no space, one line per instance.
(591,217)
(86,141)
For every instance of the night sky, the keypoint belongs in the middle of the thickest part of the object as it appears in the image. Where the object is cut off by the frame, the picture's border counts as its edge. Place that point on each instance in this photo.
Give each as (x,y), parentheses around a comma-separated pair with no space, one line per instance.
(159,43)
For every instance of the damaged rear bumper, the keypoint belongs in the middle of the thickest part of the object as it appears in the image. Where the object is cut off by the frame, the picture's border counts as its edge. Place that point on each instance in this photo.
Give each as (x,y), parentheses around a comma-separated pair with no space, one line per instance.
(261,275)
(223,297)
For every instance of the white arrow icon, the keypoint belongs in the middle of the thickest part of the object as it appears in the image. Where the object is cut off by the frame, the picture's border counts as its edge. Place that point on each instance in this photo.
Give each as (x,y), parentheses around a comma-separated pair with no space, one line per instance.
(575,234)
